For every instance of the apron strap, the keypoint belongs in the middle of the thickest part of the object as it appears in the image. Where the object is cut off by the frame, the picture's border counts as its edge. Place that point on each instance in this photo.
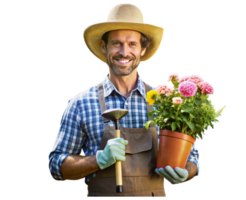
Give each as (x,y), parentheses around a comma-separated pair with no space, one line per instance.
(147,89)
(101,101)
(103,105)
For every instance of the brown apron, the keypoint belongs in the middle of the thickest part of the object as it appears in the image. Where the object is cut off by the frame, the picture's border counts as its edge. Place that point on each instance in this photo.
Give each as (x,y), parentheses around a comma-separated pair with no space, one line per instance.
(138,170)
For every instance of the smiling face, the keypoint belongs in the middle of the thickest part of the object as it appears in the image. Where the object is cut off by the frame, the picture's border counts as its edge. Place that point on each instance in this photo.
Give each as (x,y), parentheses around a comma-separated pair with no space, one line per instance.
(123,51)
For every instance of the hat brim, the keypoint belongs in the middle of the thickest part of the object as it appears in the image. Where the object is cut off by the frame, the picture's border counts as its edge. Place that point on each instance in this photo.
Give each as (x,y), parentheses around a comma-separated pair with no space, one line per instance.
(93,35)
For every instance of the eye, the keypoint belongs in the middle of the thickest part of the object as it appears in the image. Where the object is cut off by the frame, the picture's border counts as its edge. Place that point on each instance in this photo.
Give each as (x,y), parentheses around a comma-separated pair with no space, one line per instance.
(116,43)
(133,44)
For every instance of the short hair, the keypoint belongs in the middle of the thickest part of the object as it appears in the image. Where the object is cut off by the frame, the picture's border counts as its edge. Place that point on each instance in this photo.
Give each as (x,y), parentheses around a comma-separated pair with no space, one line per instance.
(144,41)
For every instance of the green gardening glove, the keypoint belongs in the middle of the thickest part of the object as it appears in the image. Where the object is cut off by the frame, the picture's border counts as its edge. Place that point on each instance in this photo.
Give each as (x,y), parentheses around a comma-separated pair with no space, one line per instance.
(174,176)
(113,151)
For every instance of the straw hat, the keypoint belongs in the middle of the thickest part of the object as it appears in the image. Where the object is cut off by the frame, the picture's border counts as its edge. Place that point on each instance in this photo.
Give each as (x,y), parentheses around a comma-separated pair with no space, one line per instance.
(123,16)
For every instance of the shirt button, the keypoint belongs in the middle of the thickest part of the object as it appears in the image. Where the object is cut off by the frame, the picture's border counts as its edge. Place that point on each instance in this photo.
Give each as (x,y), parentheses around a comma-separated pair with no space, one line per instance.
(126,103)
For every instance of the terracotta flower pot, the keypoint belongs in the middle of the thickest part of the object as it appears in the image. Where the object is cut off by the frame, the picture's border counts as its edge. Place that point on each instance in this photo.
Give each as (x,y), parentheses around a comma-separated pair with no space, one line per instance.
(174,149)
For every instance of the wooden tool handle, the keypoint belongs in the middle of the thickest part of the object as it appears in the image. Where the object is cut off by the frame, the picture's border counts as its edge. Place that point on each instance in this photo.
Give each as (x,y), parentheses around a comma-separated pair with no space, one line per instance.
(118,169)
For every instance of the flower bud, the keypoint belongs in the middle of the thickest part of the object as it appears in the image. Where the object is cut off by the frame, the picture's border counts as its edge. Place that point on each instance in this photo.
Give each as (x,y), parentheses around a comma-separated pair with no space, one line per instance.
(177,100)
(221,110)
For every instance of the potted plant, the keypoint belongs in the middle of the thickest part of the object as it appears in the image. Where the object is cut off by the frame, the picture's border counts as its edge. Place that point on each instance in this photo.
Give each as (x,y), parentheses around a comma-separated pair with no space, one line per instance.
(183,112)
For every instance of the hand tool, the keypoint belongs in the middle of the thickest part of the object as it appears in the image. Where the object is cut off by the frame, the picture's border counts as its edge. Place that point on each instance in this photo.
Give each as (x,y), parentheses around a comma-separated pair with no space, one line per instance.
(114,115)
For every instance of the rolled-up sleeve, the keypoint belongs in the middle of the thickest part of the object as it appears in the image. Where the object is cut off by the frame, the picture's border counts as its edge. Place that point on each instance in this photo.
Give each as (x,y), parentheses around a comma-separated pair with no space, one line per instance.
(199,165)
(69,140)
(194,157)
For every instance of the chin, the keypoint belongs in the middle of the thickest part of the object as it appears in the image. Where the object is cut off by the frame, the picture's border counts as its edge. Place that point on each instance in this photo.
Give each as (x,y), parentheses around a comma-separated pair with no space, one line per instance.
(123,72)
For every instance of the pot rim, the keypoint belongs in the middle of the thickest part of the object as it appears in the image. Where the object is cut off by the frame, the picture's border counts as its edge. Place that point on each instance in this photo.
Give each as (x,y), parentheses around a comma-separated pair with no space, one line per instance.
(168,133)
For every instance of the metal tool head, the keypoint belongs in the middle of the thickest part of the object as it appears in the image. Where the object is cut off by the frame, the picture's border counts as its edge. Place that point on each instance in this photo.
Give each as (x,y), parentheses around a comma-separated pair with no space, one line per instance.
(115,114)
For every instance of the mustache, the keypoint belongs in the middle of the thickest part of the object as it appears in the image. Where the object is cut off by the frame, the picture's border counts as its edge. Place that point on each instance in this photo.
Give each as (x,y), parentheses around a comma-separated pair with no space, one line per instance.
(120,57)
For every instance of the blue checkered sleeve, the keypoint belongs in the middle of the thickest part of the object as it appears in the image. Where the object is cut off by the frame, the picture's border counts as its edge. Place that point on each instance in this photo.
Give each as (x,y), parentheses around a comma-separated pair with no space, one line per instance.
(69,140)
(194,157)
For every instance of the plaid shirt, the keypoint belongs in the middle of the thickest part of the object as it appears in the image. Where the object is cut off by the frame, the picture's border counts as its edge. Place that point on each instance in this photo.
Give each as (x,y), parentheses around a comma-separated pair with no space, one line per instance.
(82,126)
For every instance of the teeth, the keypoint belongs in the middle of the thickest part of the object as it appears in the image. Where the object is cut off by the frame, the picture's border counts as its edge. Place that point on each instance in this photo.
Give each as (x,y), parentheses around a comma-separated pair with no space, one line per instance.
(123,61)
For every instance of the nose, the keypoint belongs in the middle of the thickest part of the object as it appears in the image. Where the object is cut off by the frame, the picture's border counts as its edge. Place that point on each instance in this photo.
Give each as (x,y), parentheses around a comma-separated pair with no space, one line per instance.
(124,51)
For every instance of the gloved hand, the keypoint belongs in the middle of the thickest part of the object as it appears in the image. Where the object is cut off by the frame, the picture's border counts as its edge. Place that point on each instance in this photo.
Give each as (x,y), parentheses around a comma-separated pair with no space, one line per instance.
(113,151)
(174,176)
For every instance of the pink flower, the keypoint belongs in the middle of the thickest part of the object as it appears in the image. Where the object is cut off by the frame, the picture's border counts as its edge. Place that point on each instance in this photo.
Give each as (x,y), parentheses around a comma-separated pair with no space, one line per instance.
(164,88)
(195,79)
(168,94)
(184,78)
(161,88)
(187,89)
(206,88)
(177,100)
(170,75)
(169,89)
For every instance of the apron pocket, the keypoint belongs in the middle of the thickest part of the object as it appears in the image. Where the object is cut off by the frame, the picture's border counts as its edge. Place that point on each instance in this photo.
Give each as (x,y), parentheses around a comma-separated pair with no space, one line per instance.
(138,155)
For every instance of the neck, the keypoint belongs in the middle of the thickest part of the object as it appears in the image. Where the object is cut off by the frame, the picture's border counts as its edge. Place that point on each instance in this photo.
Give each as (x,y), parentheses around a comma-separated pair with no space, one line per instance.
(124,84)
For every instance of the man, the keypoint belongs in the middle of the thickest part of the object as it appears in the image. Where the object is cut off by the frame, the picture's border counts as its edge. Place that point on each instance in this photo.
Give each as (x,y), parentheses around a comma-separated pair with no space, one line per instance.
(122,43)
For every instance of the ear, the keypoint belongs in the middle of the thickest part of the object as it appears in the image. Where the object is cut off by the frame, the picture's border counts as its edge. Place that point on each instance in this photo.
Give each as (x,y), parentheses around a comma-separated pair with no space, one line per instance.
(143,52)
(103,47)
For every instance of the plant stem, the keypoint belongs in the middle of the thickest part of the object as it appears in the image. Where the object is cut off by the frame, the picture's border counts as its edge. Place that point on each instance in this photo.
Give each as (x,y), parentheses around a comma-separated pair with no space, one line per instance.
(184,128)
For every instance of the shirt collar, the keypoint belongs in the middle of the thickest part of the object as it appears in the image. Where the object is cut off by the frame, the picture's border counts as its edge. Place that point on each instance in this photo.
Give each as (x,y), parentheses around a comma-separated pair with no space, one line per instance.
(108,87)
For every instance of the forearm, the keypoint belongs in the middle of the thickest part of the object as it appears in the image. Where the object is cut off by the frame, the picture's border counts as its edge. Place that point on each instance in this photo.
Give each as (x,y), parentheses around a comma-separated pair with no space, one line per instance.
(76,167)
(192,170)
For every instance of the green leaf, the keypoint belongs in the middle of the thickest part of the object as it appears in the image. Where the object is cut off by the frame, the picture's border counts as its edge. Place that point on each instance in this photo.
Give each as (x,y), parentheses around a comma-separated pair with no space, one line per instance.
(187,108)
(173,126)
(165,113)
(152,118)
(203,133)
(178,118)
(198,103)
(157,105)
(191,125)
(205,129)
(178,124)
(192,115)
(219,112)
(152,112)
(172,116)
(147,124)
(217,121)
(212,126)
(167,103)
(185,118)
